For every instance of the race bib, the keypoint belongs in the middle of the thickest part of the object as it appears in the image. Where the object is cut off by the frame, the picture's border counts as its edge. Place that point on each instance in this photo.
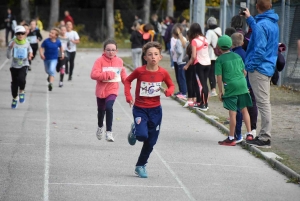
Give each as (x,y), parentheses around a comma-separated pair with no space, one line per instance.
(32,39)
(20,53)
(117,72)
(150,89)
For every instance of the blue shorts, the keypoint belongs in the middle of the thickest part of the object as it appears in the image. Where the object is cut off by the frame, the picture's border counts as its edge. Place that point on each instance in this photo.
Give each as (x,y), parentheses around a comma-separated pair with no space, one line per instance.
(50,66)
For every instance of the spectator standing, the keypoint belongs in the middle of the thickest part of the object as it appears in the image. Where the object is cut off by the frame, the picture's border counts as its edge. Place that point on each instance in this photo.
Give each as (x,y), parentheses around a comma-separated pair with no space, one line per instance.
(212,35)
(136,40)
(10,23)
(68,17)
(168,35)
(261,57)
(74,40)
(39,23)
(156,25)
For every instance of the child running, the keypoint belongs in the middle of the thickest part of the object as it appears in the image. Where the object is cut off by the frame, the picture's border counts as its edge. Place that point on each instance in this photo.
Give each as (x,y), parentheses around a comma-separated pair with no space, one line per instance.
(61,63)
(147,111)
(34,37)
(108,70)
(19,48)
(230,72)
(49,53)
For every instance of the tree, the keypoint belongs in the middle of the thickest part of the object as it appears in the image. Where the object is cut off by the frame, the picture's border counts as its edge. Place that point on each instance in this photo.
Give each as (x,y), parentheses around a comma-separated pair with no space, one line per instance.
(54,13)
(170,8)
(146,9)
(110,18)
(25,12)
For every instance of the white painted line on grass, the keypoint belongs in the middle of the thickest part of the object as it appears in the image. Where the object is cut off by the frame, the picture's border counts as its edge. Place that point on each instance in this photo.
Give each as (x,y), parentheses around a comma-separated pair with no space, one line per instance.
(182,186)
(47,151)
(4,63)
(115,185)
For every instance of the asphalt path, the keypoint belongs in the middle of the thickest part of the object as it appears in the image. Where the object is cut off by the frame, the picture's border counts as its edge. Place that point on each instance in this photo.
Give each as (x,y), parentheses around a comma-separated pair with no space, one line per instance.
(49,150)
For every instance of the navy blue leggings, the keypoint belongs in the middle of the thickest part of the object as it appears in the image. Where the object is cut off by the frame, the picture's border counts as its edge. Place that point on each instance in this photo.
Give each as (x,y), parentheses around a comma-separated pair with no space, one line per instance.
(147,127)
(105,106)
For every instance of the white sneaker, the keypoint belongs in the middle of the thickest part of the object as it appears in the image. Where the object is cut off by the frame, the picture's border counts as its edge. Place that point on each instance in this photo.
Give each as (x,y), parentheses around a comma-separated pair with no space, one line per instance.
(109,136)
(188,103)
(254,133)
(213,93)
(99,133)
(61,84)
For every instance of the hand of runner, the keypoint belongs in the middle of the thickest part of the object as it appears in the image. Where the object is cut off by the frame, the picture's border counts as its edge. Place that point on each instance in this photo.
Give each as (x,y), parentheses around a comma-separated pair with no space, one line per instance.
(30,56)
(42,57)
(131,103)
(12,45)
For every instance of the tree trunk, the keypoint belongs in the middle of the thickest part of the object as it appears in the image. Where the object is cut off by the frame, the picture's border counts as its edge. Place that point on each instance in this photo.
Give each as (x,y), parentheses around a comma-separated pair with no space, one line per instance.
(25,11)
(147,4)
(110,18)
(54,13)
(170,8)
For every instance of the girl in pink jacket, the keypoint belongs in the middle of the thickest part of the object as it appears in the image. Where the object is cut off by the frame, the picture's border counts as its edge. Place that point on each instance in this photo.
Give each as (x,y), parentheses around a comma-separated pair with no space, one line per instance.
(108,70)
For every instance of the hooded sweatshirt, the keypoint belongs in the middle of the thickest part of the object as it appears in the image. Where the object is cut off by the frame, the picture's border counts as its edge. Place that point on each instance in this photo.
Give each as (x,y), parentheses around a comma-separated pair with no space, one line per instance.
(102,72)
(19,52)
(262,49)
(212,39)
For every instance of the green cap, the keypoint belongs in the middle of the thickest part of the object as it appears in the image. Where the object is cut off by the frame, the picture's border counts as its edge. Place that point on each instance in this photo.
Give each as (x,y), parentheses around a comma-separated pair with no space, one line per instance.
(225,42)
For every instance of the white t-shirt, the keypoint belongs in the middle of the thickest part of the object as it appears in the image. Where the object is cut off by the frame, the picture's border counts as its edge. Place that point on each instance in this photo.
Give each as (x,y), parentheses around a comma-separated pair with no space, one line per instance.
(72,35)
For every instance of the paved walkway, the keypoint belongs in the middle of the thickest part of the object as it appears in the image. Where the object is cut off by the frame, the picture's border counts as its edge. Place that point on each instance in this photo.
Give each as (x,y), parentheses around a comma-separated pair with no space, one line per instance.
(49,151)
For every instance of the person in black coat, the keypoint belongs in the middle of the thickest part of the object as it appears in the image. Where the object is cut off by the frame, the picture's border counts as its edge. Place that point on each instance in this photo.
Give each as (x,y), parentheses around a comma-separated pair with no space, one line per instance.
(9,25)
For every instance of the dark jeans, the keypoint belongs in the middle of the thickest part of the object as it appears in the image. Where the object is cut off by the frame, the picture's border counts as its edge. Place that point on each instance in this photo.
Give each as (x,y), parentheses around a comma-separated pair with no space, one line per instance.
(7,30)
(181,79)
(147,123)
(176,75)
(239,122)
(105,106)
(71,56)
(202,72)
(18,77)
(253,111)
(190,78)
(212,76)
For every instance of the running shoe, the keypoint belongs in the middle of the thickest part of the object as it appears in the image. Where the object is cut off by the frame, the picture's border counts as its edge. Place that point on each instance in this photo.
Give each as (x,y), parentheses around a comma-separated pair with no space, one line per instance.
(50,87)
(22,97)
(14,104)
(227,142)
(61,84)
(238,138)
(99,133)
(202,107)
(109,136)
(181,96)
(249,137)
(188,104)
(213,93)
(131,137)
(259,143)
(141,171)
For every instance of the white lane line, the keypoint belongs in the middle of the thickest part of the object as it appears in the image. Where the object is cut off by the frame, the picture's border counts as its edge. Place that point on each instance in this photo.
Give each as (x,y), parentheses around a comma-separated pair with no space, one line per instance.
(115,185)
(4,63)
(182,186)
(208,164)
(47,151)
(187,192)
(14,143)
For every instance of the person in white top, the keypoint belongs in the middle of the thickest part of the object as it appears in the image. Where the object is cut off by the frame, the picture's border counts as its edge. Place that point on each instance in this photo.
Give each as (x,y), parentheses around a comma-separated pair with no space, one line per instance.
(212,35)
(200,58)
(74,39)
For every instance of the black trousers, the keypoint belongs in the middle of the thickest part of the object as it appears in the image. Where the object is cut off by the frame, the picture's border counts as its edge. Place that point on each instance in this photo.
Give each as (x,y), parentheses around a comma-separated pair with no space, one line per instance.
(18,79)
(71,57)
(34,50)
(202,72)
(190,78)
(211,75)
(7,30)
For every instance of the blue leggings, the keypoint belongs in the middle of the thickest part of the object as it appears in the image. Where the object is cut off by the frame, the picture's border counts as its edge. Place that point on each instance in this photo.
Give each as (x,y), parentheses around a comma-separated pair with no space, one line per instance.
(105,106)
(147,127)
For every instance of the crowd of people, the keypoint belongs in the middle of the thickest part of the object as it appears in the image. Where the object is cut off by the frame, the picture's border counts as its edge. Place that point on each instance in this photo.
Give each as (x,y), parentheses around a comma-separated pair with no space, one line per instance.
(58,52)
(243,65)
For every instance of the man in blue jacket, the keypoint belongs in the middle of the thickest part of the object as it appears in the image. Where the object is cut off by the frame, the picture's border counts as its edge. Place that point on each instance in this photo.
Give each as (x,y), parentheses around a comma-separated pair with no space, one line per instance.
(260,63)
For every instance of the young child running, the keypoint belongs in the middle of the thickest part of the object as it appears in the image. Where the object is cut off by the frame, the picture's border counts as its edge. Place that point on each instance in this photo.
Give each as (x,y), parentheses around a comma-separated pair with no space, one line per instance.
(49,53)
(61,63)
(147,111)
(230,72)
(19,48)
(108,70)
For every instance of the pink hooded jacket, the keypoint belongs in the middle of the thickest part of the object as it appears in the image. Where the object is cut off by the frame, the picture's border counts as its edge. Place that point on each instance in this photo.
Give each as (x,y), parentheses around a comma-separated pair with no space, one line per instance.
(104,89)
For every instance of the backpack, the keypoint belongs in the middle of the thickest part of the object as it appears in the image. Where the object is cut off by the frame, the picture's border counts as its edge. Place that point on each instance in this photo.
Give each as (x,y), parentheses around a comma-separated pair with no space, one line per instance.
(216,49)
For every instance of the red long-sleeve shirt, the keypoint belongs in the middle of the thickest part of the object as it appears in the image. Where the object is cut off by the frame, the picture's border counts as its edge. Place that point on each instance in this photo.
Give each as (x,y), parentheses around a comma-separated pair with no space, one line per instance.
(148,86)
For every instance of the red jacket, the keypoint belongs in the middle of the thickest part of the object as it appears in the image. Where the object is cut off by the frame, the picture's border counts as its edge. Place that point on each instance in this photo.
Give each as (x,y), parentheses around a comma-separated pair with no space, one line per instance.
(69,18)
(104,89)
(152,79)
